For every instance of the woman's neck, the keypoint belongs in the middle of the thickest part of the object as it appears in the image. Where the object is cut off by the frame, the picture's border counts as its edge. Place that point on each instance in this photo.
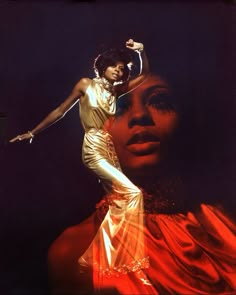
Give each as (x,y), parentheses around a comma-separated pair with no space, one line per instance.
(106,84)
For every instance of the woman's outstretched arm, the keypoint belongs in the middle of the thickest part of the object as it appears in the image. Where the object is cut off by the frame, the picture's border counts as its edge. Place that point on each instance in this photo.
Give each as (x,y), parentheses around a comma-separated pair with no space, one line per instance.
(58,113)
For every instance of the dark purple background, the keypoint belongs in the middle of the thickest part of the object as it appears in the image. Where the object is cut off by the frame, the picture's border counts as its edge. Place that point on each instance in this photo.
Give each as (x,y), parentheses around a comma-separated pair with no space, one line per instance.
(45,48)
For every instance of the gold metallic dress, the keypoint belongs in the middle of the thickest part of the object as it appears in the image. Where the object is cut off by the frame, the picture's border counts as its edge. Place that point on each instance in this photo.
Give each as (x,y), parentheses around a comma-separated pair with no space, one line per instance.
(118,247)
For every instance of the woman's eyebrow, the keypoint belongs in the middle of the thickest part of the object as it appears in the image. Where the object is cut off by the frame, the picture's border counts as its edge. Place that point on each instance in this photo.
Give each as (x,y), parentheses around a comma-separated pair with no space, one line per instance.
(126,99)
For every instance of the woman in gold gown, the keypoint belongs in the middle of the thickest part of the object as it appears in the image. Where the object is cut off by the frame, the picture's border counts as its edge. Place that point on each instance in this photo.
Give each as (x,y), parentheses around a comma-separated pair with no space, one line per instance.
(118,246)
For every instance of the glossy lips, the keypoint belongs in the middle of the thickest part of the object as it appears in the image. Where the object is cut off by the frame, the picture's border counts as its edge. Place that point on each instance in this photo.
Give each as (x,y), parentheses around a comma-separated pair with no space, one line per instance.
(143,143)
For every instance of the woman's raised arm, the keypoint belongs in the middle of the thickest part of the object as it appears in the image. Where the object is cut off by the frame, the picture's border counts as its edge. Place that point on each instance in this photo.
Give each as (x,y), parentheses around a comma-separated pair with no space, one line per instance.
(144,68)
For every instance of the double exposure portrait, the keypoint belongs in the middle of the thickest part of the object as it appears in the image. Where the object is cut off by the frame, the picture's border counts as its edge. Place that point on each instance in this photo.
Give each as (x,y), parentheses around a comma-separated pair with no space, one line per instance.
(117,148)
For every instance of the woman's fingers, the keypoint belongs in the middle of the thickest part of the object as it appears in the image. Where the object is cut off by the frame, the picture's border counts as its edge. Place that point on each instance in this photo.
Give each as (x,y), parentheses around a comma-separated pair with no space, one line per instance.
(20,137)
(14,139)
(130,42)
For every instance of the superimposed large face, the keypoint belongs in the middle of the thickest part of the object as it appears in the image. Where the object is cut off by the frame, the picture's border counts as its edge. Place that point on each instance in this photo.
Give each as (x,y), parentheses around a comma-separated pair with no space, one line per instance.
(144,123)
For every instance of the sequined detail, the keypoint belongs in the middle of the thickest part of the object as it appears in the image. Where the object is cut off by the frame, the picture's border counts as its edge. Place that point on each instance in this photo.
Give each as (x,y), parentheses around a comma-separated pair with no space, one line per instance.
(104,83)
(152,204)
(105,98)
(111,152)
(107,101)
(134,266)
(164,196)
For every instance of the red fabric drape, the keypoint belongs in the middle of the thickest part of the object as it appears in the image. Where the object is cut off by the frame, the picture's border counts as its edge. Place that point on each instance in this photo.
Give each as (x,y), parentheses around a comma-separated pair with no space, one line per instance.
(193,253)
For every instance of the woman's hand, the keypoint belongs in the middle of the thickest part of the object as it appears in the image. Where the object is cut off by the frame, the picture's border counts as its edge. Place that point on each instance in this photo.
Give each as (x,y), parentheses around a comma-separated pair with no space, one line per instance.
(25,136)
(136,46)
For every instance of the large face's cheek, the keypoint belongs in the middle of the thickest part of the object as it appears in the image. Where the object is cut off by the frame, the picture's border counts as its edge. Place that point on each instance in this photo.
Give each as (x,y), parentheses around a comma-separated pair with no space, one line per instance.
(121,134)
(166,122)
(165,125)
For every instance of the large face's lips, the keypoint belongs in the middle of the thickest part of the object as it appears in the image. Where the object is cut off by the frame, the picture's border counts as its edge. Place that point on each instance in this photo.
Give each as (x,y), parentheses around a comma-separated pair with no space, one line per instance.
(142,137)
(143,143)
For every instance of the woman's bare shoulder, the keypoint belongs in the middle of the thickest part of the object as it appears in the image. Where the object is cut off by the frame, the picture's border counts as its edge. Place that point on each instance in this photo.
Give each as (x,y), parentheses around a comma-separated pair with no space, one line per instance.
(82,85)
(84,82)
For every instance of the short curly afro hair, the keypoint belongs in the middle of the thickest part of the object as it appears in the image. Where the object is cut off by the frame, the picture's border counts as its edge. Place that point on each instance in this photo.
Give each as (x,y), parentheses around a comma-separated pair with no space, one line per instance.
(109,58)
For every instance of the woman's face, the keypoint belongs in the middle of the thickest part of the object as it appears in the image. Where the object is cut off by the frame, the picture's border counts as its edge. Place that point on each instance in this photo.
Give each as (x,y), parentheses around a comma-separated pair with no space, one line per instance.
(144,123)
(114,73)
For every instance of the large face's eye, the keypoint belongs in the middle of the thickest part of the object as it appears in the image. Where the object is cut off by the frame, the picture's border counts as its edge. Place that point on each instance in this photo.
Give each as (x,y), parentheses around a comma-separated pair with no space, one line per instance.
(160,100)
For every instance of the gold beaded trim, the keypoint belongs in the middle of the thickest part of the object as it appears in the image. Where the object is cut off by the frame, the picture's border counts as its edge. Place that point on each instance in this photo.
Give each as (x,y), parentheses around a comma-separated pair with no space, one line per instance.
(134,266)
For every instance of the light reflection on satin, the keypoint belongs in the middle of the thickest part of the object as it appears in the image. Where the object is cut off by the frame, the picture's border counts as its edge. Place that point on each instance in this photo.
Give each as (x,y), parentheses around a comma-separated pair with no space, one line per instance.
(118,246)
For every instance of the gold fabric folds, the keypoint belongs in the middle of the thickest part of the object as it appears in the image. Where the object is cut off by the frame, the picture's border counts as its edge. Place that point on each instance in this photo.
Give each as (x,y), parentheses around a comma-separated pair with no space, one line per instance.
(118,246)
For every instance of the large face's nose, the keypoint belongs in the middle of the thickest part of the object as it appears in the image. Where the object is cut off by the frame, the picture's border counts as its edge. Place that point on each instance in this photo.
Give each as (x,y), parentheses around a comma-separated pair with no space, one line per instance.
(139,113)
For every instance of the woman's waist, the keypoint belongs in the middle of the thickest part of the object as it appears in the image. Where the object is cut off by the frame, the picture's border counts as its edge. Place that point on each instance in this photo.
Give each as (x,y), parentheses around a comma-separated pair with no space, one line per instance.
(94,130)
